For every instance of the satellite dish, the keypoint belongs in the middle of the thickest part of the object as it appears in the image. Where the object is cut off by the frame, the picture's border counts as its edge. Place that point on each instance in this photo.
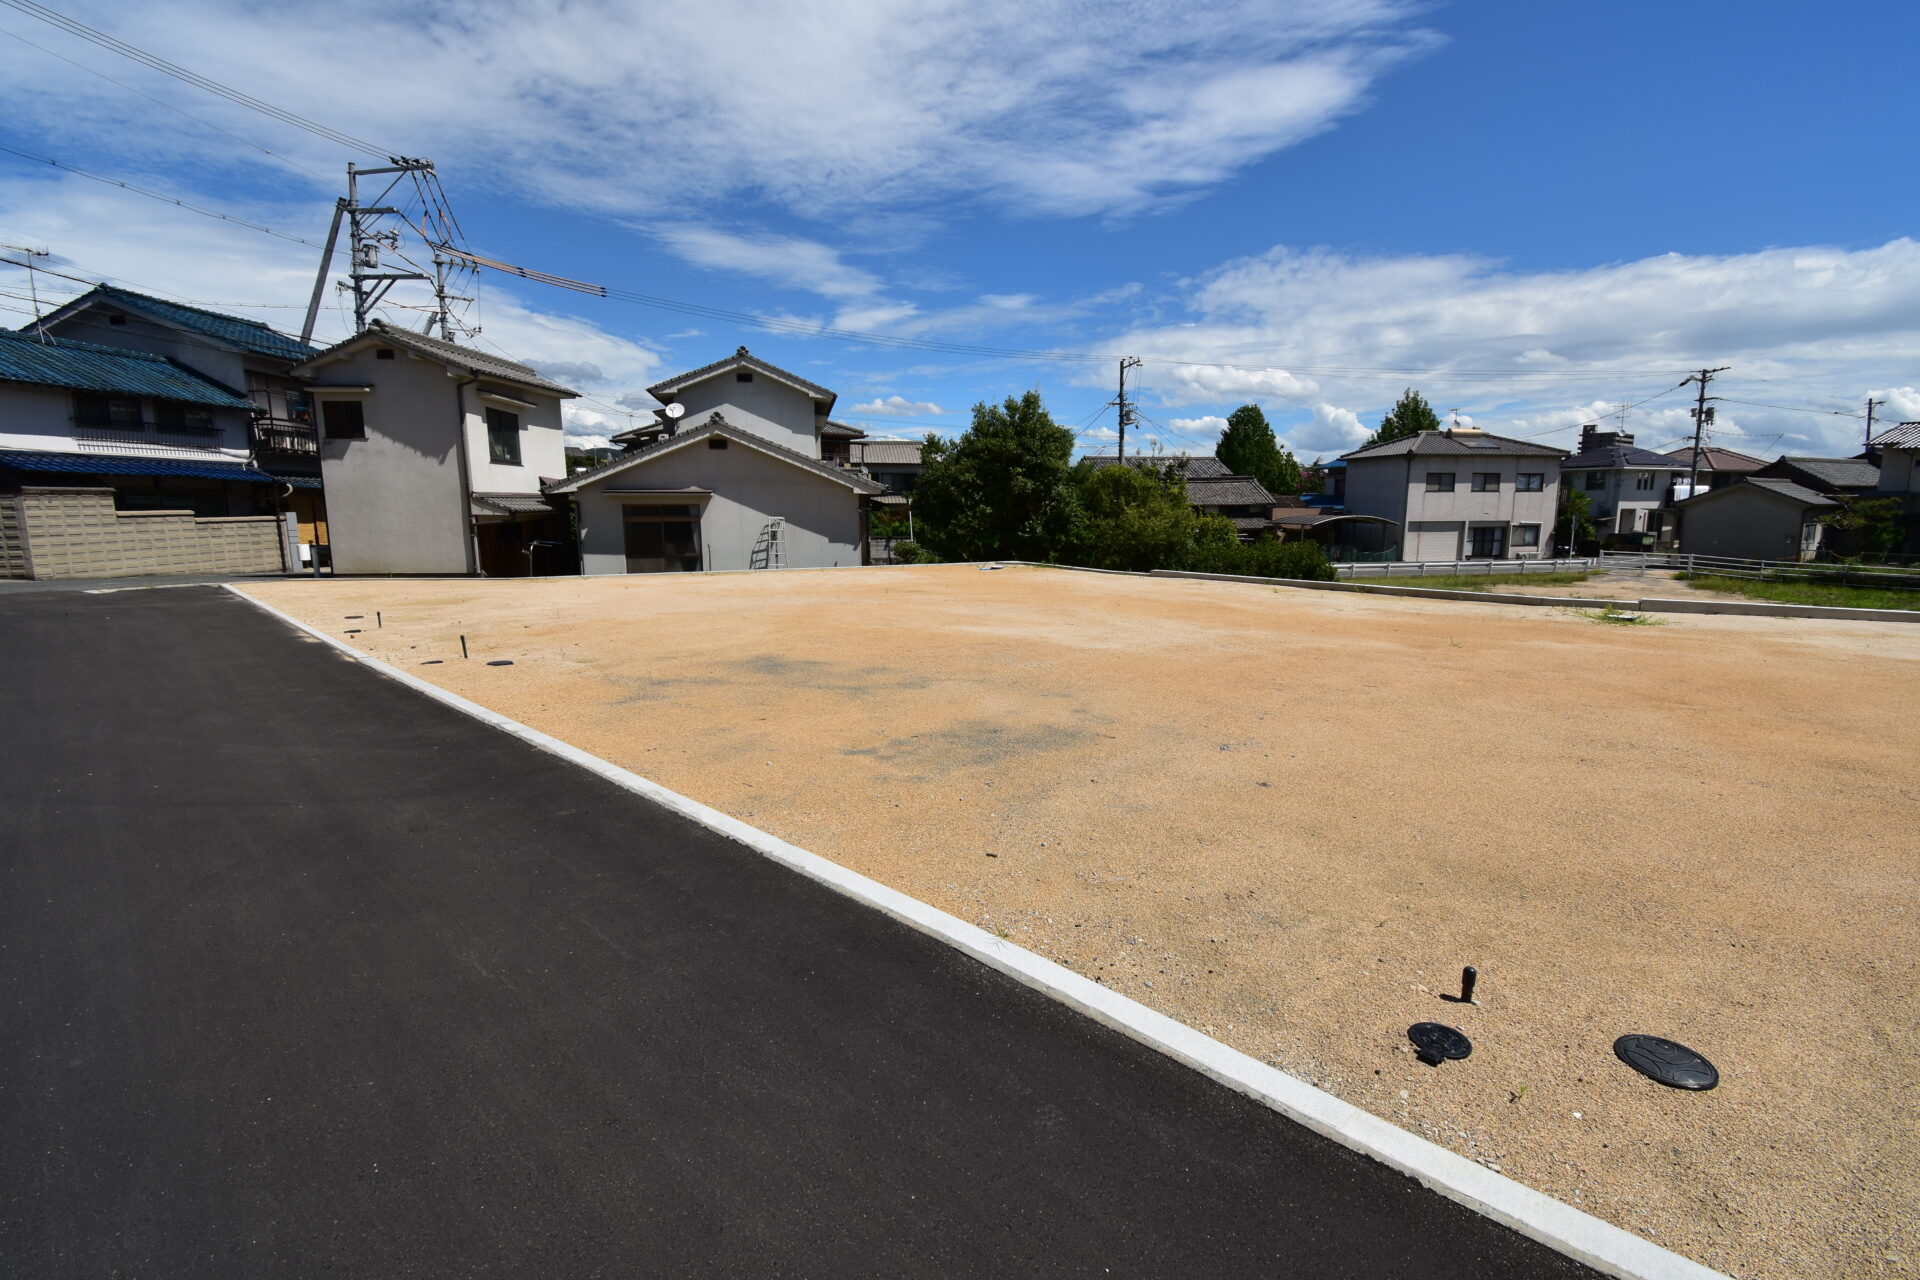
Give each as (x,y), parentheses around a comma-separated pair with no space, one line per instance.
(675,410)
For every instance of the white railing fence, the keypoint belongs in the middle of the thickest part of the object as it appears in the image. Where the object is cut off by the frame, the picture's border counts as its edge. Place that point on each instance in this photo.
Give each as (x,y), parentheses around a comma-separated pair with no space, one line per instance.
(1873,575)
(1463,568)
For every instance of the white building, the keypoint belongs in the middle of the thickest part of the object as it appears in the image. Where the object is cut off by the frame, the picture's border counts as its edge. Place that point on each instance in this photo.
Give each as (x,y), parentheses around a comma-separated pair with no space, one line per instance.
(433,456)
(1631,489)
(1459,494)
(735,481)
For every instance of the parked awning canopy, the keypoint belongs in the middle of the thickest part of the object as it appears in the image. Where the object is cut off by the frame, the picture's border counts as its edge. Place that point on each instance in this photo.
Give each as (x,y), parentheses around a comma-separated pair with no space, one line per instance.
(94,464)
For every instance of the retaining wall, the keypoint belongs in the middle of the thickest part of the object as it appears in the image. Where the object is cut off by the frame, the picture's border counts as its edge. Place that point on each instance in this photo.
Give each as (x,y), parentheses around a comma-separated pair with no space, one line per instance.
(77,533)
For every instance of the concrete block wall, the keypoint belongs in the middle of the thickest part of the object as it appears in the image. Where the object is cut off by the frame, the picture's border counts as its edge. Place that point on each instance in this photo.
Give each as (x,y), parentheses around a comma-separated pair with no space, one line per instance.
(13,539)
(76,533)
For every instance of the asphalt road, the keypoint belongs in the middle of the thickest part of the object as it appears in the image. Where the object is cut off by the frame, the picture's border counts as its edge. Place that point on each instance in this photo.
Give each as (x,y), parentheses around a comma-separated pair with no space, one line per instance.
(303,973)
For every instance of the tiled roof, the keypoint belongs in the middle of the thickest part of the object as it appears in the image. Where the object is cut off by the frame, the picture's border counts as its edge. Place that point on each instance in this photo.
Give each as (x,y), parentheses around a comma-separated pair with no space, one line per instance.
(740,357)
(841,431)
(858,483)
(248,335)
(96,464)
(1611,456)
(1194,466)
(1227,491)
(85,366)
(1904,436)
(885,453)
(1830,473)
(1463,445)
(1786,489)
(478,363)
(517,503)
(1249,524)
(1720,460)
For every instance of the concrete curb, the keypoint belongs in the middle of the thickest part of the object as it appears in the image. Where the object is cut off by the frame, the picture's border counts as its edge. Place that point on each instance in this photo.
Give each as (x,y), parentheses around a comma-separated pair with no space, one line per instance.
(1601,1245)
(1761,609)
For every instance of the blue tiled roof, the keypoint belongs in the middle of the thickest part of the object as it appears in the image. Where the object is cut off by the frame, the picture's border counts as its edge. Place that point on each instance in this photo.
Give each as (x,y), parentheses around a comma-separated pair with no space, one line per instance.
(95,464)
(248,335)
(83,366)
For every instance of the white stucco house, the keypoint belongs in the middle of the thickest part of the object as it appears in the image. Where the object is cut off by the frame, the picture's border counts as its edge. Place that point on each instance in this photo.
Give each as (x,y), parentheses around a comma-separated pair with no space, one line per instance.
(1630,489)
(433,456)
(737,480)
(1459,493)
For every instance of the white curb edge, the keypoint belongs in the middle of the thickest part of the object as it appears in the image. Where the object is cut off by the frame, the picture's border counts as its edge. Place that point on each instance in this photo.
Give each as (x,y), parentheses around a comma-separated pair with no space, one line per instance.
(1601,1245)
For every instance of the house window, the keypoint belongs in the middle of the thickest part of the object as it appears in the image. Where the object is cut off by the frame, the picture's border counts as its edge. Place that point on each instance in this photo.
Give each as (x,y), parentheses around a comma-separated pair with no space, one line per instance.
(1487,542)
(1439,482)
(1486,482)
(183,419)
(1530,482)
(1644,480)
(662,539)
(503,437)
(112,413)
(1526,535)
(743,376)
(343,419)
(1596,479)
(383,353)
(716,442)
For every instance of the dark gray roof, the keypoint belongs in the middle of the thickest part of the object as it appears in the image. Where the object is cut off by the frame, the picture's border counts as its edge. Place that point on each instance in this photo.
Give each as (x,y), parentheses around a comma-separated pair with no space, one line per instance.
(248,335)
(1782,488)
(86,366)
(1904,436)
(517,503)
(1829,473)
(1249,524)
(740,358)
(716,425)
(1194,466)
(1719,460)
(478,363)
(1227,491)
(1610,457)
(1296,518)
(1463,445)
(841,431)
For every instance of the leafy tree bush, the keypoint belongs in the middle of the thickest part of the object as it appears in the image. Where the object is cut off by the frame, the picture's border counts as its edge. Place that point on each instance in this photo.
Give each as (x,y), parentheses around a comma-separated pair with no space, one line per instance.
(1410,416)
(1249,448)
(1304,559)
(1003,490)
(1132,517)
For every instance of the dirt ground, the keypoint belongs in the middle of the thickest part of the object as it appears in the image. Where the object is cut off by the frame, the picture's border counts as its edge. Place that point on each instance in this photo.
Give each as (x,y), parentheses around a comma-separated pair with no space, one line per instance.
(1289,817)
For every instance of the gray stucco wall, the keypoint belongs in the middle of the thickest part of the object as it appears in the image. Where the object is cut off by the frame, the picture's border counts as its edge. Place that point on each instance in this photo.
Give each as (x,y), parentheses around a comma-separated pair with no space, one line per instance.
(822,516)
(1434,526)
(394,500)
(1743,521)
(765,407)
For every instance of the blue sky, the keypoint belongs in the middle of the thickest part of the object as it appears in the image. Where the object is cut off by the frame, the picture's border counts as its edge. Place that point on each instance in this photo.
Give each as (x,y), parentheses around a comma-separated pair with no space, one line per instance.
(1536,213)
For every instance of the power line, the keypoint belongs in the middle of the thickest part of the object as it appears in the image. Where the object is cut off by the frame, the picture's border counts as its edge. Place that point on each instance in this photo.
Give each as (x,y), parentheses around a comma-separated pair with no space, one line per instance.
(154,195)
(154,61)
(246,142)
(1792,408)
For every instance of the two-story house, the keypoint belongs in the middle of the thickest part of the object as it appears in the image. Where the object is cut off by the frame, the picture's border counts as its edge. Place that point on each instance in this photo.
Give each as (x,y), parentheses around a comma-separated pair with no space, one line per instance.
(234,352)
(1459,493)
(433,456)
(731,475)
(1899,451)
(1630,489)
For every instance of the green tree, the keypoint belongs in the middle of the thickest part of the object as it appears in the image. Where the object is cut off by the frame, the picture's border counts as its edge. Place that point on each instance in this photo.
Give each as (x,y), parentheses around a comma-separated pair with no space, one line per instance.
(1133,517)
(1866,528)
(1248,448)
(1574,520)
(1410,416)
(1003,490)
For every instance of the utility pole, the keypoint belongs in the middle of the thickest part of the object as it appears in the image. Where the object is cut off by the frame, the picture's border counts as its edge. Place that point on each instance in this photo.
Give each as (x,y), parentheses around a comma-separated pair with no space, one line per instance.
(365,240)
(1126,414)
(1701,416)
(33,283)
(1872,404)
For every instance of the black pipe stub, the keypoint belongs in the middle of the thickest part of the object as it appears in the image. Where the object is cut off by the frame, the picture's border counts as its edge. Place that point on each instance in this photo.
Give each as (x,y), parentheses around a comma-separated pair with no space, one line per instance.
(501,662)
(1436,1042)
(1671,1064)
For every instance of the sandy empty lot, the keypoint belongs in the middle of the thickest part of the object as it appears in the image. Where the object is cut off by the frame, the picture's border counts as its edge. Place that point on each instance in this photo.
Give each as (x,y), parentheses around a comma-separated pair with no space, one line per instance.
(1288,817)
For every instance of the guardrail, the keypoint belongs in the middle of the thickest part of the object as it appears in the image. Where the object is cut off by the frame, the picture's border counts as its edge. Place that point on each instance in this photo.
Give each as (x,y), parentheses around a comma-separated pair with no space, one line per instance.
(1843,574)
(1463,568)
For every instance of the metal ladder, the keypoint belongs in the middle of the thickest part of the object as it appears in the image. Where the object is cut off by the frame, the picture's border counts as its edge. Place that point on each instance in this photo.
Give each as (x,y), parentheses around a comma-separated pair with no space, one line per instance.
(770,552)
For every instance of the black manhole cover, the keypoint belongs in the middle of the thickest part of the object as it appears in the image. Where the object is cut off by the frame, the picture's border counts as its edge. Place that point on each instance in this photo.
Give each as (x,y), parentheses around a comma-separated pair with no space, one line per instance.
(501,662)
(1435,1042)
(1671,1064)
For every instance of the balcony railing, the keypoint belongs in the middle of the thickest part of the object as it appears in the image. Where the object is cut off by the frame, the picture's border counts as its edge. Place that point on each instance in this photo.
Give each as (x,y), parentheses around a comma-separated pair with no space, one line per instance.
(274,437)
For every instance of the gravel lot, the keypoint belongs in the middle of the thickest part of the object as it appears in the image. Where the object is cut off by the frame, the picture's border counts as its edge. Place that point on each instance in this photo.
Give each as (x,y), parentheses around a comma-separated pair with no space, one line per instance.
(1288,817)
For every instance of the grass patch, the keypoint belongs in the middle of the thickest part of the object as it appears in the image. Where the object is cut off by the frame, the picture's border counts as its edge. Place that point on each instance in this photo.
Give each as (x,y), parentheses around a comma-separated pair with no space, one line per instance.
(1614,617)
(1816,593)
(1477,581)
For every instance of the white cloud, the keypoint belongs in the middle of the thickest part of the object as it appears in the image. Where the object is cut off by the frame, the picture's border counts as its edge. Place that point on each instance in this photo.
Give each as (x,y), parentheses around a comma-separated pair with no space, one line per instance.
(1202,428)
(898,407)
(1332,430)
(790,260)
(1538,353)
(821,108)
(1902,404)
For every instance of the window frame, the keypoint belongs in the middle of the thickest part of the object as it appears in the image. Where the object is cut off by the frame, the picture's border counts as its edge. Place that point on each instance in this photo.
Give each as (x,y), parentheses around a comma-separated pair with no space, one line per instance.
(123,413)
(1539,479)
(355,430)
(1644,481)
(1434,478)
(499,435)
(1524,535)
(1596,480)
(1480,484)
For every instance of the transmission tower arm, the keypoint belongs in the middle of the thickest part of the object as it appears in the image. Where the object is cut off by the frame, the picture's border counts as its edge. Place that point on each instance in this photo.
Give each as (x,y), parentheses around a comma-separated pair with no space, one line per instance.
(326,266)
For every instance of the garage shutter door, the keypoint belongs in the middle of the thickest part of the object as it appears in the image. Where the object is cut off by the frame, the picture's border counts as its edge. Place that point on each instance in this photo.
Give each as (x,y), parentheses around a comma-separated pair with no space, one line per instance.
(1434,540)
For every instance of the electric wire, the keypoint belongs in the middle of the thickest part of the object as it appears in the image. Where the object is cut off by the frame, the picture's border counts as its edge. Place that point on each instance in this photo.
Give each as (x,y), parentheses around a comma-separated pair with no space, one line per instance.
(154,195)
